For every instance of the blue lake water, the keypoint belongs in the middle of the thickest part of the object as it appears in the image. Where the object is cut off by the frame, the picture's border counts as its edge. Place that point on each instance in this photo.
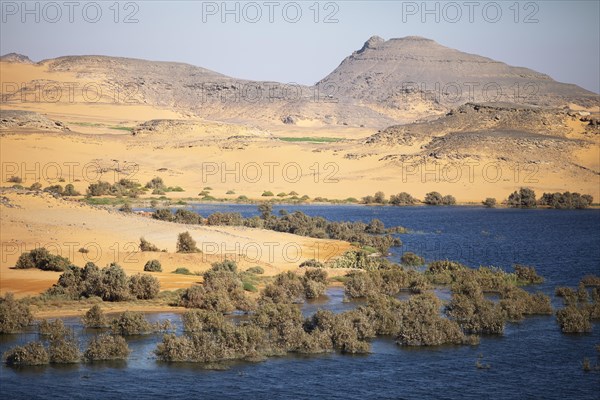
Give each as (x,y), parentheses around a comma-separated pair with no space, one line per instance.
(533,359)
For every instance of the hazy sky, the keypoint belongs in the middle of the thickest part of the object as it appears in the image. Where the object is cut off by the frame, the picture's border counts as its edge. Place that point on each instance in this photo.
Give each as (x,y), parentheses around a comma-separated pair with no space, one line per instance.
(303,41)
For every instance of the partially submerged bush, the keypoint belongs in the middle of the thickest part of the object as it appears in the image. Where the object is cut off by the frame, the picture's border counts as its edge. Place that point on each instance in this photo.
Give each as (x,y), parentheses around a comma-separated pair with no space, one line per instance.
(53,330)
(64,350)
(14,314)
(107,347)
(95,318)
(411,259)
(33,353)
(422,325)
(572,319)
(527,275)
(222,291)
(153,266)
(131,323)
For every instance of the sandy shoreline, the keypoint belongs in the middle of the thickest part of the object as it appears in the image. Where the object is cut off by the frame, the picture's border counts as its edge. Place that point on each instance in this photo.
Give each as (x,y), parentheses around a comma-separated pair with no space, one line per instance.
(30,221)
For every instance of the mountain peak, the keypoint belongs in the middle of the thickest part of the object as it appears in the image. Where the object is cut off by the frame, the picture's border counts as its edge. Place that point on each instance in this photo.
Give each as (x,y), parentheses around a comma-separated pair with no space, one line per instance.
(372,43)
(16,58)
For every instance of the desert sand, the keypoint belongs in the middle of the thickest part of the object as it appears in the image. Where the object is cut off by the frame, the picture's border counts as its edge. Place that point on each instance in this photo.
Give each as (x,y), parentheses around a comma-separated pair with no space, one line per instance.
(63,227)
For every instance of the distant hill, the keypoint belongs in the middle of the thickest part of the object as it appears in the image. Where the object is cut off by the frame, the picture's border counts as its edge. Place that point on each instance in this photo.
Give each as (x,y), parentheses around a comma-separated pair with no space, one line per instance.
(387,72)
(384,83)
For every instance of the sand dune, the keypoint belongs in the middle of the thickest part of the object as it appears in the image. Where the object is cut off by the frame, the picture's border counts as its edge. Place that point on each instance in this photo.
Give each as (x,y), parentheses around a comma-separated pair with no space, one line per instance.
(63,227)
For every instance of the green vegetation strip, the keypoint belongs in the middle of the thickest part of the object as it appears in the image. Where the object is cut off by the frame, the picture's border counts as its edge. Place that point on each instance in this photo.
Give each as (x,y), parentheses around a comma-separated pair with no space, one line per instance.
(309,139)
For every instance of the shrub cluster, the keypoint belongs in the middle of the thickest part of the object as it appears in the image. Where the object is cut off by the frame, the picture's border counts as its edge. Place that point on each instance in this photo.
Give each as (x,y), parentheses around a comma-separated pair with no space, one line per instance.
(566,200)
(389,281)
(107,347)
(222,291)
(124,187)
(153,266)
(411,259)
(524,198)
(14,314)
(373,234)
(489,202)
(436,199)
(147,246)
(109,283)
(42,259)
(289,287)
(581,307)
(95,318)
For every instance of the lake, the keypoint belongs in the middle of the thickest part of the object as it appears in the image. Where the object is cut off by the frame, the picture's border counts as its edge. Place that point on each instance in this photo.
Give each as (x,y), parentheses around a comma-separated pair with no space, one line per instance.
(533,359)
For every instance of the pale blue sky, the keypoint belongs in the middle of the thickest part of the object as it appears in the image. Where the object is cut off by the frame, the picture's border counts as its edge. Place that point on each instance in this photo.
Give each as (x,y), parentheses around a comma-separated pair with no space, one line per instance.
(564,42)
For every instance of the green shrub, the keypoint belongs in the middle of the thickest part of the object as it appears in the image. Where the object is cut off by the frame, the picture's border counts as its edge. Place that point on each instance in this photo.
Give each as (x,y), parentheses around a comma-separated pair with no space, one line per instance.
(187,217)
(249,287)
(32,353)
(421,323)
(14,315)
(107,347)
(227,265)
(153,266)
(130,323)
(524,198)
(99,189)
(433,199)
(147,246)
(156,183)
(185,243)
(55,189)
(527,275)
(267,193)
(312,263)
(402,199)
(95,318)
(42,259)
(113,284)
(489,202)
(572,319)
(163,214)
(53,330)
(258,270)
(182,271)
(566,200)
(143,286)
(64,350)
(411,259)
(443,266)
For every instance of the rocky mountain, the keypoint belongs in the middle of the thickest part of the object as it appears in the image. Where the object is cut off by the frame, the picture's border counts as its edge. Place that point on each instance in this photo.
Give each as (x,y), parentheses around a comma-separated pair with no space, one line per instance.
(388,72)
(384,83)
(15,58)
